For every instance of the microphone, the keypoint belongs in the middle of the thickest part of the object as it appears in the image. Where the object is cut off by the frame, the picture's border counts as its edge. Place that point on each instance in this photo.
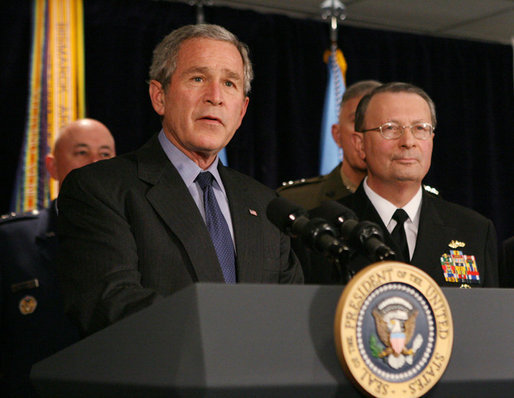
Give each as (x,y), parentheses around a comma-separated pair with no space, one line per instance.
(315,233)
(365,236)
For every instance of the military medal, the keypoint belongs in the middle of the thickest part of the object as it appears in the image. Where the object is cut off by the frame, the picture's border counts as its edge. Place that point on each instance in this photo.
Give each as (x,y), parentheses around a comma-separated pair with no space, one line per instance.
(459,267)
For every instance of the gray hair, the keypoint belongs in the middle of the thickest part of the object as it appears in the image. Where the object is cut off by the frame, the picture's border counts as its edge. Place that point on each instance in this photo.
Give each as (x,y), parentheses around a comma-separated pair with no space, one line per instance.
(393,87)
(164,60)
(359,89)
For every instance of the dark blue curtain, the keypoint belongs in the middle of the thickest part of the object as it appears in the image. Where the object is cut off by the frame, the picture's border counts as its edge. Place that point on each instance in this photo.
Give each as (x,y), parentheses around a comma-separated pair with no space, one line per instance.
(470,82)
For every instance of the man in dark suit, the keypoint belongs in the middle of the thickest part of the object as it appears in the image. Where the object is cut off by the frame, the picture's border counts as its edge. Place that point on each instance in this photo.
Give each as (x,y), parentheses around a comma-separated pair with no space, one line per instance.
(138,227)
(455,245)
(33,325)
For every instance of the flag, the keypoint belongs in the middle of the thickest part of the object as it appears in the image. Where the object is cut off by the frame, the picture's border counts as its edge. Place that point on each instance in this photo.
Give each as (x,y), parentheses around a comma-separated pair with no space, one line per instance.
(56,95)
(329,151)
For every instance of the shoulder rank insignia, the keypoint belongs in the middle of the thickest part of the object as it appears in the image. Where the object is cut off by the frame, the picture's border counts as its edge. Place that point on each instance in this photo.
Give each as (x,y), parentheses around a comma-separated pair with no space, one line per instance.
(291,182)
(430,189)
(27,305)
(7,216)
(301,182)
(18,216)
(460,268)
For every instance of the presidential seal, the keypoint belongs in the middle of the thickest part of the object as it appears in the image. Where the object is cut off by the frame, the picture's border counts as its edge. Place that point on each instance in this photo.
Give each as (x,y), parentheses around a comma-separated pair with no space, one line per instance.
(393,330)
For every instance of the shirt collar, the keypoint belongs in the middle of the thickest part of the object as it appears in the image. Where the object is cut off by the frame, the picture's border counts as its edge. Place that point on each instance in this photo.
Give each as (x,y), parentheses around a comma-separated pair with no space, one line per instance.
(185,166)
(386,209)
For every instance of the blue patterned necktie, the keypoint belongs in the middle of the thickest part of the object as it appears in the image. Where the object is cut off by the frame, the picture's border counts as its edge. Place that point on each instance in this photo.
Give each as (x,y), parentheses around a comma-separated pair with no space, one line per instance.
(218,228)
(398,233)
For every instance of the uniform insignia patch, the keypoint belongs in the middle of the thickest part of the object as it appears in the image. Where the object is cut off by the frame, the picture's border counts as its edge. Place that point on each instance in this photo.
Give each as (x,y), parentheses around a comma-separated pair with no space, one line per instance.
(27,305)
(460,268)
(455,244)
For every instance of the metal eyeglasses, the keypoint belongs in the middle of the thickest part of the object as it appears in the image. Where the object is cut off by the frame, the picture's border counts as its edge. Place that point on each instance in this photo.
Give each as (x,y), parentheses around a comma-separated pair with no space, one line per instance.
(392,131)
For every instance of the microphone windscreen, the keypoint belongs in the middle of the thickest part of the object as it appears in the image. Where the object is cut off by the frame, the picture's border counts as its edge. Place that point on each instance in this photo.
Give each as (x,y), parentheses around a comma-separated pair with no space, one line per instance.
(279,211)
(334,212)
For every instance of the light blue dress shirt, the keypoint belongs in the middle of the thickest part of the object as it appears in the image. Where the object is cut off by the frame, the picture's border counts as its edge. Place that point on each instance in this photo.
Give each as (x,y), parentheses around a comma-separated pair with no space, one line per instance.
(189,170)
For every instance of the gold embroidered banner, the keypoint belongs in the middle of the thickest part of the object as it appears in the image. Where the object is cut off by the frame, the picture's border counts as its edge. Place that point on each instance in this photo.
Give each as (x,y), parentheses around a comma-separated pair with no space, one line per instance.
(56,94)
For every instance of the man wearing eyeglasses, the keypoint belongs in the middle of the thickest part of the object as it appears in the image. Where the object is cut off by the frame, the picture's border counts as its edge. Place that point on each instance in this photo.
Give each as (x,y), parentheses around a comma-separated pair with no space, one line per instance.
(455,245)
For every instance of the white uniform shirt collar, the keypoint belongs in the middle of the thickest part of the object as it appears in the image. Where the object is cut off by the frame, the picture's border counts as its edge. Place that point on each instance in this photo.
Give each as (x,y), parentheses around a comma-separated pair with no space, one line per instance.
(386,209)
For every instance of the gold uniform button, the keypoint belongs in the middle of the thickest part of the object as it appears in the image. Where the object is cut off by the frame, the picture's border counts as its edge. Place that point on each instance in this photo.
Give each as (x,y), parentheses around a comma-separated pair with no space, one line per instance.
(27,305)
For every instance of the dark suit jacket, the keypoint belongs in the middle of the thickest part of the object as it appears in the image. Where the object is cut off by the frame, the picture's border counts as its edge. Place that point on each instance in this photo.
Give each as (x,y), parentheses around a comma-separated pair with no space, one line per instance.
(440,223)
(507,263)
(28,245)
(130,233)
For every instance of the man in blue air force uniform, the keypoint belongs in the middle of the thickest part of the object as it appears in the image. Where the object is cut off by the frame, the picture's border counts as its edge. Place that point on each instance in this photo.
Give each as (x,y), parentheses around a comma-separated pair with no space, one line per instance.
(33,325)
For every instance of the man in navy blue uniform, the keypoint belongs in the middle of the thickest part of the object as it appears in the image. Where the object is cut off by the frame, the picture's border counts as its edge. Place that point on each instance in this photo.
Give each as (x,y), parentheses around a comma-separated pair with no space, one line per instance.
(33,325)
(455,245)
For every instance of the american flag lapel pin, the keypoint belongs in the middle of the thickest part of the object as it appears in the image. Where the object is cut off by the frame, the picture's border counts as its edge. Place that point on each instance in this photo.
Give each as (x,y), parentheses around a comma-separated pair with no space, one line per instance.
(252,212)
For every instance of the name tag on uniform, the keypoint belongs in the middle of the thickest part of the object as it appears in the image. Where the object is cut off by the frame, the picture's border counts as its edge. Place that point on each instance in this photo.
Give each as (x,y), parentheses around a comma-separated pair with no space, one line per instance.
(30,284)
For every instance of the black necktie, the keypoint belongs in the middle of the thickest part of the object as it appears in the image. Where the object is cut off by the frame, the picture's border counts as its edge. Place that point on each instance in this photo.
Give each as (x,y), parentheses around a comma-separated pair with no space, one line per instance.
(218,228)
(398,233)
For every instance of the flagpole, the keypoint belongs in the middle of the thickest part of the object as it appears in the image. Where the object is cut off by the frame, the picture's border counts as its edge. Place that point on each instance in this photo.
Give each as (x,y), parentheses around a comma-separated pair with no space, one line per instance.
(200,15)
(329,153)
(334,10)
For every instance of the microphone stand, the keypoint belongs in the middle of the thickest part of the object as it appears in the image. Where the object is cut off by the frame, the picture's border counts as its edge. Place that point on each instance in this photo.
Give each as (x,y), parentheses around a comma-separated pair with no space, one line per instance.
(336,251)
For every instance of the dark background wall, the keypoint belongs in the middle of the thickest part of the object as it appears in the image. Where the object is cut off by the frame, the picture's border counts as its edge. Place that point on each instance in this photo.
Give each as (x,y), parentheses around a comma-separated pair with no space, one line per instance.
(470,82)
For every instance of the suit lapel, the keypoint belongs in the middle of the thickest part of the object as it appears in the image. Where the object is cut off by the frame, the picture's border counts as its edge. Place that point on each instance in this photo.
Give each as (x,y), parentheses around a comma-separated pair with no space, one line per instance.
(433,238)
(172,201)
(246,220)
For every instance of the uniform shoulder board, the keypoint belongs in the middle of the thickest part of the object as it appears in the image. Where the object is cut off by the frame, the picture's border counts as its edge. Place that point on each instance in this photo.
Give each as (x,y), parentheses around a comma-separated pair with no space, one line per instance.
(430,189)
(18,216)
(298,183)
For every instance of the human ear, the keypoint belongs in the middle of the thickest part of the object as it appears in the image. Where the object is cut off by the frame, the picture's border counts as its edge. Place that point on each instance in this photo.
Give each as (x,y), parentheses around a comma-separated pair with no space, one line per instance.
(358,143)
(51,166)
(157,96)
(336,134)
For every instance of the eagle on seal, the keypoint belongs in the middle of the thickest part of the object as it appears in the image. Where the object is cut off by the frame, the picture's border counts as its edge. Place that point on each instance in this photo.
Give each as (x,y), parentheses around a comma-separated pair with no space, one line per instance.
(395,331)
